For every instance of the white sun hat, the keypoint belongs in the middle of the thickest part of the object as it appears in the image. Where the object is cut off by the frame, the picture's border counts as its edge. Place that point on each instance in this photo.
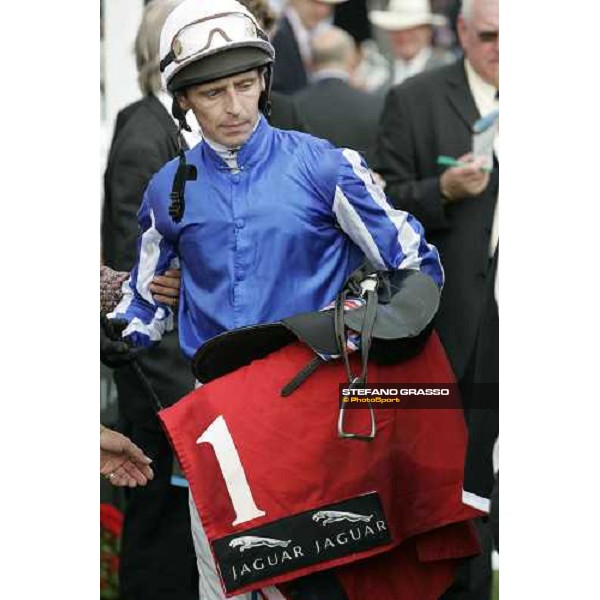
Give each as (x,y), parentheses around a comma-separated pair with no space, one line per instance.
(405,14)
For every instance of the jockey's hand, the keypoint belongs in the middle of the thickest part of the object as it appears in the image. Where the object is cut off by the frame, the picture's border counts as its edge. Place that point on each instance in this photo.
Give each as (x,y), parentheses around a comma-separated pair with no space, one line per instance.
(165,288)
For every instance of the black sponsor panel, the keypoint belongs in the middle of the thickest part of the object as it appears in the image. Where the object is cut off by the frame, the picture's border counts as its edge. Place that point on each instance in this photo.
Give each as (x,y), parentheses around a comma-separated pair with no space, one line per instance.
(308,538)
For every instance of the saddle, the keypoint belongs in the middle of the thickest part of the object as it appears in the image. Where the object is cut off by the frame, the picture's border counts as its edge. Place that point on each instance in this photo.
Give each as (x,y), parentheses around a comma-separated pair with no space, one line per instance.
(388,315)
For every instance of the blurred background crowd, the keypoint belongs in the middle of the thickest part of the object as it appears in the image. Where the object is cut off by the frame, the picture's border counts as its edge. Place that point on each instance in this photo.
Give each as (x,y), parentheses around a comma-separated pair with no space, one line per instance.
(400,81)
(381,50)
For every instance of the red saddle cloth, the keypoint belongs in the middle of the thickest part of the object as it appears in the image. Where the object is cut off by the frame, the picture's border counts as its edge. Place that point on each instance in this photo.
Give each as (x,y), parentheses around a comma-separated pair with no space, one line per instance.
(280,495)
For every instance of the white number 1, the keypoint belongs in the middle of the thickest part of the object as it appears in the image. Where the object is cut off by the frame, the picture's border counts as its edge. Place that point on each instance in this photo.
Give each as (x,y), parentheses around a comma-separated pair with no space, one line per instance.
(219,437)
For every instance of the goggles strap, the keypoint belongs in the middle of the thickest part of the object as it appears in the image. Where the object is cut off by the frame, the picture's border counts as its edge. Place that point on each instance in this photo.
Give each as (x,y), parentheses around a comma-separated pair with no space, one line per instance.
(166,61)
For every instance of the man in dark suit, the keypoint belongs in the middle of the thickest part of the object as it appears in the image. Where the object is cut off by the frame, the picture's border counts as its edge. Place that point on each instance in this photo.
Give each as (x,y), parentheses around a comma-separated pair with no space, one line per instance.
(481,466)
(429,115)
(157,559)
(146,140)
(300,21)
(331,107)
(289,73)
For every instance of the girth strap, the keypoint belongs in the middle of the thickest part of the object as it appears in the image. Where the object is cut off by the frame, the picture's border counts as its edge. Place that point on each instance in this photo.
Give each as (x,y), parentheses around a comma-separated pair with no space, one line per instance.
(302,376)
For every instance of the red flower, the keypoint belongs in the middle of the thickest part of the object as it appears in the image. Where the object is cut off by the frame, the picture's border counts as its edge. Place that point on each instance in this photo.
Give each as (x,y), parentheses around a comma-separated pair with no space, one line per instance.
(111,524)
(111,519)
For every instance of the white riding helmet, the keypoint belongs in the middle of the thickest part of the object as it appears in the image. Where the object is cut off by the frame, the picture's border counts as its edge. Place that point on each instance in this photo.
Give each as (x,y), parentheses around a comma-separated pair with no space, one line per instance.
(202,41)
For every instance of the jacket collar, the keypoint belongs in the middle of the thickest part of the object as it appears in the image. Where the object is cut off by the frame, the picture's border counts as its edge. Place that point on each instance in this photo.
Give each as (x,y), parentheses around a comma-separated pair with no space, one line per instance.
(459,94)
(248,155)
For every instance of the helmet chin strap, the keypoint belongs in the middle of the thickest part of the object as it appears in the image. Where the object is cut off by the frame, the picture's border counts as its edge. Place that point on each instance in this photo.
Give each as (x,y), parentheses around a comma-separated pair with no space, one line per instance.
(264,101)
(179,115)
(184,171)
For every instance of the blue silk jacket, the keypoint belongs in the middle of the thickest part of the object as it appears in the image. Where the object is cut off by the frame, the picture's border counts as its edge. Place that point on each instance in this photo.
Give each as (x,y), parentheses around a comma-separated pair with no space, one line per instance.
(276,236)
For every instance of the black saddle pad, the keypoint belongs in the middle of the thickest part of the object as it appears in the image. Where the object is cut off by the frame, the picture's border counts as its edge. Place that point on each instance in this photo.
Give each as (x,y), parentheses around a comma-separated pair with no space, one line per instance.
(235,349)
